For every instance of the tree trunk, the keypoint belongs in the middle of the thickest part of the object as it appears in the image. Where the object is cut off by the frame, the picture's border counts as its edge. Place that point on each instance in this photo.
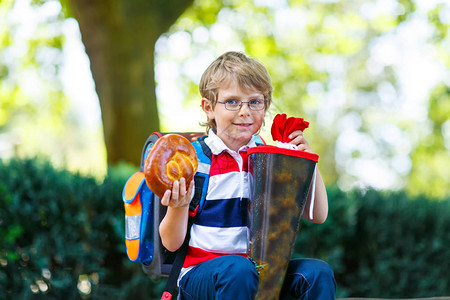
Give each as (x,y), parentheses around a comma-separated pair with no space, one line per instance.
(119,37)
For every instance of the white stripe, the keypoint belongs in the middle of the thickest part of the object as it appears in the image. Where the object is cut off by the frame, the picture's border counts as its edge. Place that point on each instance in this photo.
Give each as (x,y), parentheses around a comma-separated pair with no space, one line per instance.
(203,168)
(313,195)
(219,240)
(225,186)
(217,145)
(132,227)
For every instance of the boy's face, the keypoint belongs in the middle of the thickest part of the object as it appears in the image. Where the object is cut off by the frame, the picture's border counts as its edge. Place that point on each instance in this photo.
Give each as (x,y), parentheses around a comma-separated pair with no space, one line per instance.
(235,128)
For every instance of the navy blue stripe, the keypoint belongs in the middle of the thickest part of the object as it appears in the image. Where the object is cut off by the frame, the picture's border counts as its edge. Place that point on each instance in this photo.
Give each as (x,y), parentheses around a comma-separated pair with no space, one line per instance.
(224,213)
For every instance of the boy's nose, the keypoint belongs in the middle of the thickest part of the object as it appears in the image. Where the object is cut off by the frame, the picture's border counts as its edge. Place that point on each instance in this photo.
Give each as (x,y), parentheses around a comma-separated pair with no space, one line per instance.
(245,108)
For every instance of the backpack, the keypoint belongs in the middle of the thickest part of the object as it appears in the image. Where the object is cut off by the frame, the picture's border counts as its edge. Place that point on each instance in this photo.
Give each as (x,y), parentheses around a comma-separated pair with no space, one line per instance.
(144,212)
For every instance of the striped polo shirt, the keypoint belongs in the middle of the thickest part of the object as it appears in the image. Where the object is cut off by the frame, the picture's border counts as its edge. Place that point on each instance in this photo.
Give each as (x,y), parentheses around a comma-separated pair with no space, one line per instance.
(221,227)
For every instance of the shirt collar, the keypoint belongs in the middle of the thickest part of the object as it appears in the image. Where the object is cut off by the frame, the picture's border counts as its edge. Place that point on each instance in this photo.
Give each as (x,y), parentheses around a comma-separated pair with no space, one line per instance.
(217,146)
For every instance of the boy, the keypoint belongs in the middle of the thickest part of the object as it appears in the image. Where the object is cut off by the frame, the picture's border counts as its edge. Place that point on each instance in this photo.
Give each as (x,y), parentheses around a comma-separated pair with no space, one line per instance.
(236,93)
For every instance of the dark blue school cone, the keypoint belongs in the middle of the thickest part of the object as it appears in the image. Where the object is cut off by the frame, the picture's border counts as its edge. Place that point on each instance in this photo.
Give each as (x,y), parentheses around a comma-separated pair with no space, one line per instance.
(280,182)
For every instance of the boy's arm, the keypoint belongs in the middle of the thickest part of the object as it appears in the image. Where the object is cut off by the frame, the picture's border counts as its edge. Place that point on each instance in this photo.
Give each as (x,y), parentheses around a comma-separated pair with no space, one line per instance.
(320,211)
(173,226)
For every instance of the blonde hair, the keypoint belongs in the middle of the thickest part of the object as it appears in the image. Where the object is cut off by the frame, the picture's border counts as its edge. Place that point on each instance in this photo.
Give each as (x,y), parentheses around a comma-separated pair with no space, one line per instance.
(248,73)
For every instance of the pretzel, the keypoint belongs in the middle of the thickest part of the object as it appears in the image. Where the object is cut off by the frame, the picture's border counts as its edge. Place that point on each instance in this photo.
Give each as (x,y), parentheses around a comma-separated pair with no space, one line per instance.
(171,158)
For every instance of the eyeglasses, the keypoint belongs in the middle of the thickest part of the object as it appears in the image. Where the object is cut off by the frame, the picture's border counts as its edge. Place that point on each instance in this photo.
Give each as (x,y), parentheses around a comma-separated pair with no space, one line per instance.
(235,105)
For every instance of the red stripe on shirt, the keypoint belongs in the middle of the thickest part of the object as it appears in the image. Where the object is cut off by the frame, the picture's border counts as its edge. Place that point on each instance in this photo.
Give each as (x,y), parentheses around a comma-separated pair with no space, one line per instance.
(222,164)
(244,160)
(196,255)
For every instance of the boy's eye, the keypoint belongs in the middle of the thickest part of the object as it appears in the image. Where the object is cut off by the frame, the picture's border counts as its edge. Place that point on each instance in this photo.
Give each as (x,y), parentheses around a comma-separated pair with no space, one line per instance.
(255,102)
(232,102)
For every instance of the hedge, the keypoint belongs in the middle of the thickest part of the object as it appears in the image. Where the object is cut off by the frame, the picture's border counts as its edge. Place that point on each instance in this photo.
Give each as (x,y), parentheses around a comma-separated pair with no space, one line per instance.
(62,238)
(62,235)
(383,245)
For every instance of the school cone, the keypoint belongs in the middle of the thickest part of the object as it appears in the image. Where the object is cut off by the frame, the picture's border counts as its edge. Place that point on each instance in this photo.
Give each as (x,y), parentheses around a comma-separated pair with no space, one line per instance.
(280,182)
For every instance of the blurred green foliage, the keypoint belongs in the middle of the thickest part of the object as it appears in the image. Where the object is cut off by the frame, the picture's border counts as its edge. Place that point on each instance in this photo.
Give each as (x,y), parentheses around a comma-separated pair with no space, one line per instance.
(339,64)
(430,171)
(63,238)
(383,245)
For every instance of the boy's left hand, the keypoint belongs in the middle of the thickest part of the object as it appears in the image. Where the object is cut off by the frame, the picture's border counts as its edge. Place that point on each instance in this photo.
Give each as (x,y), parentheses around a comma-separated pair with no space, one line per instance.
(299,140)
(178,196)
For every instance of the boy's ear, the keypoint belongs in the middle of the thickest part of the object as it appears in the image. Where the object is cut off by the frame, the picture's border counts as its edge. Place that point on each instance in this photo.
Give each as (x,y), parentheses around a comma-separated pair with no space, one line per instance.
(208,108)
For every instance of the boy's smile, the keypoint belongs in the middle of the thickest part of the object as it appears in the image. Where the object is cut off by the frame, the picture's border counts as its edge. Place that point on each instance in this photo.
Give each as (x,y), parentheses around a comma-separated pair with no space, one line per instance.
(235,128)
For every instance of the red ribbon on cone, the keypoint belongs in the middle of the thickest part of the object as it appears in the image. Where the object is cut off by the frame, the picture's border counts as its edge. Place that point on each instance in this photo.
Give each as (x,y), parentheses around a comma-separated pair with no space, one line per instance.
(283,126)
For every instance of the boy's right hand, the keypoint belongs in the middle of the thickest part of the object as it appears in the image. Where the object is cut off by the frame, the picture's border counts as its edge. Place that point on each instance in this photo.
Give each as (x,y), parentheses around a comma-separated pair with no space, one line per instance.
(178,196)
